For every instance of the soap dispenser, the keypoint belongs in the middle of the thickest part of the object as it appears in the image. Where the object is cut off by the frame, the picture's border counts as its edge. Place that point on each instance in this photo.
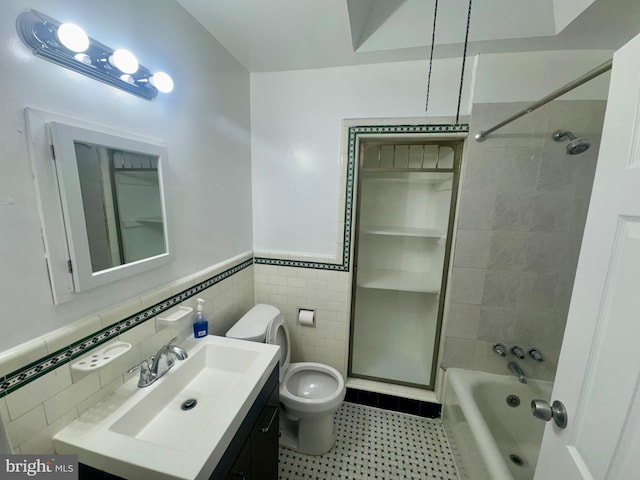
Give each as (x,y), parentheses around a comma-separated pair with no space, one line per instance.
(200,326)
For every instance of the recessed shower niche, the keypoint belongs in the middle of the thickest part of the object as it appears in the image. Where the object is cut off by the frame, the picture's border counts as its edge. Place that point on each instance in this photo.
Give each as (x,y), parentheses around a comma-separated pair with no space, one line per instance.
(406,196)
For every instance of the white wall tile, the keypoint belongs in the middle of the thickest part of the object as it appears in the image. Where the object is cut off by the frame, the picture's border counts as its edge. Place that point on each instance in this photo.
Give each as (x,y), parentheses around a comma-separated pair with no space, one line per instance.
(100,395)
(26,426)
(529,262)
(323,291)
(4,412)
(155,296)
(63,402)
(42,442)
(65,336)
(36,392)
(152,344)
(139,333)
(22,355)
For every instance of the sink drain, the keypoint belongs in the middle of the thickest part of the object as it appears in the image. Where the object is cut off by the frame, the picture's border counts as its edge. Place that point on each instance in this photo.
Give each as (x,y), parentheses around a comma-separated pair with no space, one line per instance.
(189,404)
(513,400)
(516,459)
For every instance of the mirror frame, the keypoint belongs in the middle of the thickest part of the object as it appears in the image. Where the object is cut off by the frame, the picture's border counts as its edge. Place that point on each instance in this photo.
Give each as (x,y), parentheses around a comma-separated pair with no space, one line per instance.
(63,138)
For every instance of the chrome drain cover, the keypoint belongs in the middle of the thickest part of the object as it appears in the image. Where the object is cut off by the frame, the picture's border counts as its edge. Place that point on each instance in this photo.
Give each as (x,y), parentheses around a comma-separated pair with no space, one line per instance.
(189,404)
(513,400)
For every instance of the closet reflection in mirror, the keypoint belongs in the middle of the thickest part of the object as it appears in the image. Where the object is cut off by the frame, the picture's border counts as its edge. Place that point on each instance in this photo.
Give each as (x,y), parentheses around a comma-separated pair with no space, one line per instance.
(113,203)
(121,203)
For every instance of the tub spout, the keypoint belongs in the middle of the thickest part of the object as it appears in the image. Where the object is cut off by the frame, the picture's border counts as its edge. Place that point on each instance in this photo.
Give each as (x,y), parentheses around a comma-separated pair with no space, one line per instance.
(515,369)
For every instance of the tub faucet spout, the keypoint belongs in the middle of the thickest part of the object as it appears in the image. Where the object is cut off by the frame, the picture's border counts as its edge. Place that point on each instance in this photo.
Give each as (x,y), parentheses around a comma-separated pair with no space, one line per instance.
(515,369)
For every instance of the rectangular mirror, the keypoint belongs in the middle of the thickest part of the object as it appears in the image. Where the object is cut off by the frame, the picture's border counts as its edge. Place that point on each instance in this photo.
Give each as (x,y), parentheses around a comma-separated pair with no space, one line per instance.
(113,203)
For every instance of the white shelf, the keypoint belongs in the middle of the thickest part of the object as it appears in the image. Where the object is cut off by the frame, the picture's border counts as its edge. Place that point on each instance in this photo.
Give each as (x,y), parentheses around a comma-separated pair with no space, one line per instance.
(407,177)
(139,222)
(423,282)
(156,219)
(402,231)
(174,315)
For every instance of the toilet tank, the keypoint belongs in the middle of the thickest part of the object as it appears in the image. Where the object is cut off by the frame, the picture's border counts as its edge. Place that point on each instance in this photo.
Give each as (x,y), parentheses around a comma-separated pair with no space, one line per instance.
(253,324)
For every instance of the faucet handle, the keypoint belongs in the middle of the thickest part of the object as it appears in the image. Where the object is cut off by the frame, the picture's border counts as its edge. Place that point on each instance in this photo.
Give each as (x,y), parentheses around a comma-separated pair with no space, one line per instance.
(500,349)
(146,376)
(518,352)
(536,355)
(143,366)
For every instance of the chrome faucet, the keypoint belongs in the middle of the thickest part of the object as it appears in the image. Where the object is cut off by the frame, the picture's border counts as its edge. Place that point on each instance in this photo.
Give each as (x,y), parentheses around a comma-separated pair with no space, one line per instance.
(515,368)
(157,365)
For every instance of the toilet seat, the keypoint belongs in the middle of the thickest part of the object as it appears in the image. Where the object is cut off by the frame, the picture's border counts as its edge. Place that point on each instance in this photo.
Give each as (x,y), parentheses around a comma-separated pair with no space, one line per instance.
(312,387)
(278,334)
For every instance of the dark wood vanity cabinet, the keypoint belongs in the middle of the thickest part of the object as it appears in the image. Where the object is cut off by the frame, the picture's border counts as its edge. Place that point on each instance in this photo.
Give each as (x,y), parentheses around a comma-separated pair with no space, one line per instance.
(253,452)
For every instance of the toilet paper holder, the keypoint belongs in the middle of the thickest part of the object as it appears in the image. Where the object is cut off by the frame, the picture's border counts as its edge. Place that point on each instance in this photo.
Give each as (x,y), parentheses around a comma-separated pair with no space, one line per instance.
(306,317)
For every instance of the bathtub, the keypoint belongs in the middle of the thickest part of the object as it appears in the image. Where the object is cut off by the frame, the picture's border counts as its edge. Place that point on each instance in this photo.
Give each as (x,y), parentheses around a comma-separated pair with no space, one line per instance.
(492,438)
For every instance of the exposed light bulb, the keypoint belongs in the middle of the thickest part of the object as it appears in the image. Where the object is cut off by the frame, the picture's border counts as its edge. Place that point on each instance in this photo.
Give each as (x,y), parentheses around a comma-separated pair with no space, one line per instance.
(124,60)
(162,81)
(73,37)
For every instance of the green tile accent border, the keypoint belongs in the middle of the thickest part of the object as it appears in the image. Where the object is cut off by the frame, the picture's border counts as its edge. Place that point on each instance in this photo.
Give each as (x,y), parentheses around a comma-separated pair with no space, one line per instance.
(353,137)
(31,372)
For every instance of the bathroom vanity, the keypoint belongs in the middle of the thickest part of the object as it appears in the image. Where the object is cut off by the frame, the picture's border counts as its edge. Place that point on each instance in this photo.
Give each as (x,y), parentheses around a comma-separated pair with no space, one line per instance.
(231,432)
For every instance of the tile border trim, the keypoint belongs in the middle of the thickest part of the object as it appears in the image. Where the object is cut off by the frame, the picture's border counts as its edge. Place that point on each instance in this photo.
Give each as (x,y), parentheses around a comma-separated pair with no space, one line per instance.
(393,403)
(352,141)
(21,377)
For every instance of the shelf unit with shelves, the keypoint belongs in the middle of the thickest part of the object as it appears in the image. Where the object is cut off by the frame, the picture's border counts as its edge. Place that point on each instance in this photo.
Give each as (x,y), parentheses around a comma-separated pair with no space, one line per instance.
(405,205)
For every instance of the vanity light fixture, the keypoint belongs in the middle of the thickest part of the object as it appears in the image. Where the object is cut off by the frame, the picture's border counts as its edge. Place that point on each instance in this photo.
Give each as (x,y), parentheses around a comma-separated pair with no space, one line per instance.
(68,45)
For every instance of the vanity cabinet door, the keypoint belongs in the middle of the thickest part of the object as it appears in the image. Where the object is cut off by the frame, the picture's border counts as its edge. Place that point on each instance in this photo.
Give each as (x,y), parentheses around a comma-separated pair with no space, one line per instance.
(241,469)
(253,452)
(264,440)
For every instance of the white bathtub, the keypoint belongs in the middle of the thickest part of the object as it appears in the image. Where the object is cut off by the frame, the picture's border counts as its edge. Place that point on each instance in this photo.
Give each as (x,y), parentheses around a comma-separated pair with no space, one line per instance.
(484,431)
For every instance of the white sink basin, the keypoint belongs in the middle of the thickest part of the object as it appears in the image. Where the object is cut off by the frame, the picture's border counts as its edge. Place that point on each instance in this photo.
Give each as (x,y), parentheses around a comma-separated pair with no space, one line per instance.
(144,433)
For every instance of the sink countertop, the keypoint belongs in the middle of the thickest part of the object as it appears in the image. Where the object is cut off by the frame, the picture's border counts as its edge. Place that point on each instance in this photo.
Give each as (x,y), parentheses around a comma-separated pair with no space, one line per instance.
(130,434)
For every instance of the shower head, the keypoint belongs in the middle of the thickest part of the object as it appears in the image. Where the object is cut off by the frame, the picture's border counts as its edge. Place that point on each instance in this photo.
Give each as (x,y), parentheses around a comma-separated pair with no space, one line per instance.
(576,145)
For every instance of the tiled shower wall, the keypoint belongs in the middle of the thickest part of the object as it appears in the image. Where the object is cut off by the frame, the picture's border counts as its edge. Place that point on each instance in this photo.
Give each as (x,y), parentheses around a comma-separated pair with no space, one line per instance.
(32,414)
(521,217)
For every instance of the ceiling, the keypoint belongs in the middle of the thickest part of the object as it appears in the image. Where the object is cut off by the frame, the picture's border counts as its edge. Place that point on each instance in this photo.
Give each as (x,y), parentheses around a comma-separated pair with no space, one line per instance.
(277,35)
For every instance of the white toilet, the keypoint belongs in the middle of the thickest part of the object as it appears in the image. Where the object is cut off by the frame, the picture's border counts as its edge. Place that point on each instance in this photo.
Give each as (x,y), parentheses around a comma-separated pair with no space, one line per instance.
(310,393)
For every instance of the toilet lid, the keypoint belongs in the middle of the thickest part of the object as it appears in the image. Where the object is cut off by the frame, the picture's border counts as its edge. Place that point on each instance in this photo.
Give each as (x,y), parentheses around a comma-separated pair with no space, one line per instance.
(278,334)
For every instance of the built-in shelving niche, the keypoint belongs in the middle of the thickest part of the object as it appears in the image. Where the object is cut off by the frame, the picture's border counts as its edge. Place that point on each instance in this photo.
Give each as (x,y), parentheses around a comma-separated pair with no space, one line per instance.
(405,207)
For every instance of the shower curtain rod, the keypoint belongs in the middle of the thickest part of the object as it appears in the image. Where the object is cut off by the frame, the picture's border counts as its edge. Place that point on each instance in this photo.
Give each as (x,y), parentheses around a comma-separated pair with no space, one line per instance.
(599,70)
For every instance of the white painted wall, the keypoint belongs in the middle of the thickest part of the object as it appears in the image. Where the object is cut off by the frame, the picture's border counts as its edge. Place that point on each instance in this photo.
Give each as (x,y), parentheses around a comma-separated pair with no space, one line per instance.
(520,77)
(296,133)
(296,117)
(205,123)
(565,11)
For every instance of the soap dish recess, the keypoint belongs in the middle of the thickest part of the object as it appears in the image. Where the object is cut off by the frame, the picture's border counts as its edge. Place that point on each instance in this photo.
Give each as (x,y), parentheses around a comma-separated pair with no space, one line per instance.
(173,315)
(100,357)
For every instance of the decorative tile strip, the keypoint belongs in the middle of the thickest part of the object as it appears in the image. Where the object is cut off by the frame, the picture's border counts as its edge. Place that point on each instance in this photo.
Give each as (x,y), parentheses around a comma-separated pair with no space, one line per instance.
(301,264)
(31,372)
